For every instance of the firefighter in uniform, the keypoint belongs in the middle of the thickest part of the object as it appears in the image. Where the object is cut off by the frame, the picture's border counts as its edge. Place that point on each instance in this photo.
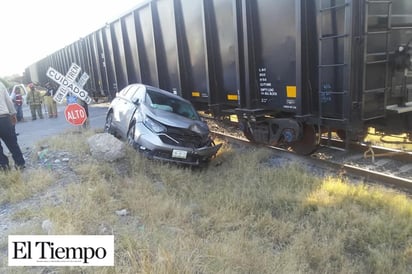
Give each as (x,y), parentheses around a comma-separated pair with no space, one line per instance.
(34,100)
(48,99)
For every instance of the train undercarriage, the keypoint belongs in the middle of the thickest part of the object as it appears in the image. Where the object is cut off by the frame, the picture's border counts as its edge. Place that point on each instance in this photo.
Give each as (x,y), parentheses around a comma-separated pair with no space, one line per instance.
(304,135)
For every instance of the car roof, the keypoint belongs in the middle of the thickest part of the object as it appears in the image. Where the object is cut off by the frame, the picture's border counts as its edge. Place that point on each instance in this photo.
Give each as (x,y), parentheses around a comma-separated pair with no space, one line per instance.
(165,92)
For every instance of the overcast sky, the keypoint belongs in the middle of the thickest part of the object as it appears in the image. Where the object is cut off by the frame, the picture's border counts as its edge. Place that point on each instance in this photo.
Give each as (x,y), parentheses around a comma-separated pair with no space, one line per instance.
(32,29)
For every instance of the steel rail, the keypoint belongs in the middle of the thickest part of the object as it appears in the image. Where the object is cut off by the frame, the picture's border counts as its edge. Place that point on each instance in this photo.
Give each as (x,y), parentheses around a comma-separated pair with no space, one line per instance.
(377,151)
(366,175)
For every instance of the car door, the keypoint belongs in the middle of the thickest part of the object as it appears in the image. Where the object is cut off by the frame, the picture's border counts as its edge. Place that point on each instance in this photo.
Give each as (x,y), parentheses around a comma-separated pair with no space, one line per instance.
(117,106)
(127,109)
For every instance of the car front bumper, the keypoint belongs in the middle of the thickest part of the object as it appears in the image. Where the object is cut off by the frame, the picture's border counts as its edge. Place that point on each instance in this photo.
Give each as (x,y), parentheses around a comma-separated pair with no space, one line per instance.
(152,145)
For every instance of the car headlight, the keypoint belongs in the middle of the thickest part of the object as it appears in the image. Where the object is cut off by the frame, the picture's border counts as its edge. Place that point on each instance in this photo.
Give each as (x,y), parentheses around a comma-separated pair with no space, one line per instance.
(153,125)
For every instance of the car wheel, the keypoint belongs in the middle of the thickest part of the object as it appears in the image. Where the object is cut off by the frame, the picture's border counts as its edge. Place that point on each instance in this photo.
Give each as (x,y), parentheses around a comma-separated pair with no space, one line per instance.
(108,127)
(130,136)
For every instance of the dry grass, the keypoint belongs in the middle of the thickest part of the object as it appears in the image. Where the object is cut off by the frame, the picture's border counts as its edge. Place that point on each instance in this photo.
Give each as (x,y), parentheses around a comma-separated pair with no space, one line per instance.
(15,186)
(72,140)
(238,215)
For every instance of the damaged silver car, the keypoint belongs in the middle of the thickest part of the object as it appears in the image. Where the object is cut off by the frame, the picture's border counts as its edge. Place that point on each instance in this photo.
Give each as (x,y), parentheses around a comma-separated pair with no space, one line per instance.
(160,124)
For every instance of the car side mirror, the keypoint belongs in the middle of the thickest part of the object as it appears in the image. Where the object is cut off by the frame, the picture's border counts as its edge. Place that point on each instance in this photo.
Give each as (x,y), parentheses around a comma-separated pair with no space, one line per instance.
(136,102)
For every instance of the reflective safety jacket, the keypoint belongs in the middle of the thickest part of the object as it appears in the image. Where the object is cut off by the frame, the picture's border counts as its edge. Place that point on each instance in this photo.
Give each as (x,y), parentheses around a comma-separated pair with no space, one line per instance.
(18,100)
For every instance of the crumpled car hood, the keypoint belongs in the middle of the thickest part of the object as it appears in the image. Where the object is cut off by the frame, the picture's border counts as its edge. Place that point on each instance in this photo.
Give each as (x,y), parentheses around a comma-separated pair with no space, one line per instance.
(174,120)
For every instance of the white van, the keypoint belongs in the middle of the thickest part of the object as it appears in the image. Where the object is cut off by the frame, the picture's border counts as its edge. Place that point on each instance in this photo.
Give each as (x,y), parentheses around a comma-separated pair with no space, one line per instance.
(23,92)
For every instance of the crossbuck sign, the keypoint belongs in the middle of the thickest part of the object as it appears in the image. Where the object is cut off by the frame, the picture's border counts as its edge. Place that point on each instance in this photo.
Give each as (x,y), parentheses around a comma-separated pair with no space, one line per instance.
(68,83)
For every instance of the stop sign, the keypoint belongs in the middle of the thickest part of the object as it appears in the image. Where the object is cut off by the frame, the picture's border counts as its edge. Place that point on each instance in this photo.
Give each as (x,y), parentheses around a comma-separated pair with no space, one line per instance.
(75,114)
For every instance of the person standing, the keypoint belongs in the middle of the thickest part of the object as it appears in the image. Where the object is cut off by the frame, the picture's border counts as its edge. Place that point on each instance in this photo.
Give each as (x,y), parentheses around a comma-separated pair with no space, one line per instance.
(48,99)
(34,100)
(7,132)
(17,99)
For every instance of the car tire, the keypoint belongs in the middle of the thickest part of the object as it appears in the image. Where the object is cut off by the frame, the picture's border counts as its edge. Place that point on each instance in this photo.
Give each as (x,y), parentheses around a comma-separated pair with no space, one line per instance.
(130,136)
(108,126)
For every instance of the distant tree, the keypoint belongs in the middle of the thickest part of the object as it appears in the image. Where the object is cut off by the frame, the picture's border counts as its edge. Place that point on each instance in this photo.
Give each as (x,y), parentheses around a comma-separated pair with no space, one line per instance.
(5,82)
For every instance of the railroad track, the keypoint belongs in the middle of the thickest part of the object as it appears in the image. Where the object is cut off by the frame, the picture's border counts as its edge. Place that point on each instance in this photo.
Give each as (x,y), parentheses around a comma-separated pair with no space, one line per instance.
(371,165)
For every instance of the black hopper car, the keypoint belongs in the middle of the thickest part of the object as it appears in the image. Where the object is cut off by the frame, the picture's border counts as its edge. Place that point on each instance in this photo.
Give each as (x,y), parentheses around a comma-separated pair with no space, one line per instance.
(289,70)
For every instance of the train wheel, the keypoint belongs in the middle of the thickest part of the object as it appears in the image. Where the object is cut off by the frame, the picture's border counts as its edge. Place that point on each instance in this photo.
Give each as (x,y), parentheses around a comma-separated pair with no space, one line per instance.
(308,143)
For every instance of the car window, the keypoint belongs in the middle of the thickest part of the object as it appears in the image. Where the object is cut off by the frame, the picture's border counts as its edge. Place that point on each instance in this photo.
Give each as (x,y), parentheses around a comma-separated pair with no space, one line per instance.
(161,101)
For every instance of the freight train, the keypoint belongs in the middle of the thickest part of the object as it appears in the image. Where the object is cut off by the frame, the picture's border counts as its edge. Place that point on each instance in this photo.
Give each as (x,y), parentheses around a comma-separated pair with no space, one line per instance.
(288,70)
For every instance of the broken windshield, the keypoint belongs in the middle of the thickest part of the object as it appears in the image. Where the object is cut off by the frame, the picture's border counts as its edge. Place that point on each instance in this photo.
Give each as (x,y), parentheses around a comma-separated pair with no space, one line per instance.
(161,101)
